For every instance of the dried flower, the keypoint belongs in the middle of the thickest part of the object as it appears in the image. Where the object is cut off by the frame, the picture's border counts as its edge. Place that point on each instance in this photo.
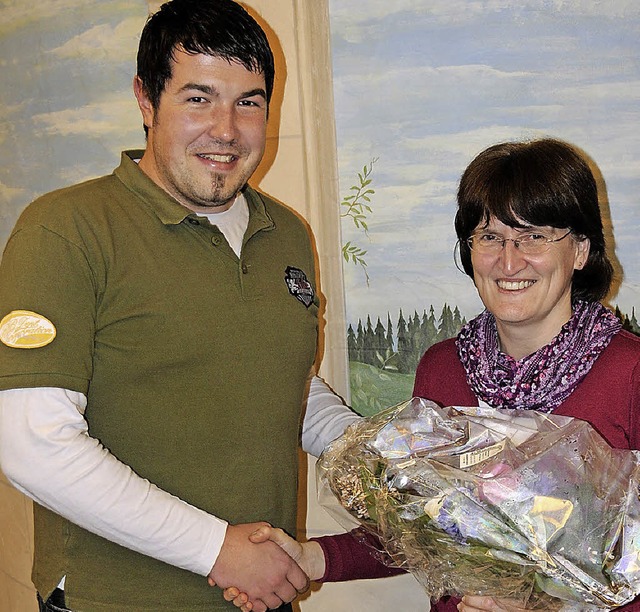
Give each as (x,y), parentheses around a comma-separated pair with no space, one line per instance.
(516,504)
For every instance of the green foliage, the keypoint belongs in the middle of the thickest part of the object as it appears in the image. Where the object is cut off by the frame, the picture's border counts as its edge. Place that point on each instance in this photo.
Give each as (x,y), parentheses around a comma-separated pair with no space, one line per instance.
(413,336)
(356,207)
(629,323)
(354,253)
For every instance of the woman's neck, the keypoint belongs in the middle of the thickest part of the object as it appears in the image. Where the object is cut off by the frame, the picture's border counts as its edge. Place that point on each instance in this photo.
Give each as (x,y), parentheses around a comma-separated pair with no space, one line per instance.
(520,341)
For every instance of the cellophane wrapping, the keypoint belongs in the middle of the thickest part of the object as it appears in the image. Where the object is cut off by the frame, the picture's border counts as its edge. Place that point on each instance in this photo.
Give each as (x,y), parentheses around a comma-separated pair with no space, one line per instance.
(511,503)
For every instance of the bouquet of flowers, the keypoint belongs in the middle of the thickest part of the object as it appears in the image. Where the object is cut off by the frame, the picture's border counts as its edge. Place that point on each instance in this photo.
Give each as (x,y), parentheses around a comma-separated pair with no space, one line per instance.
(517,504)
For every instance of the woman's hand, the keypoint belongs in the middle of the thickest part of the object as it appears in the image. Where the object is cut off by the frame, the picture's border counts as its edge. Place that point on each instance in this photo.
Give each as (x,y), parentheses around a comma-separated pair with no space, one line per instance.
(482,603)
(308,555)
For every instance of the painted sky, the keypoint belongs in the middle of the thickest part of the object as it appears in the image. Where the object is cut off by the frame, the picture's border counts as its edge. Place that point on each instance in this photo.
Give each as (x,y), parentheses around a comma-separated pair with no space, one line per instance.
(425,85)
(422,85)
(66,68)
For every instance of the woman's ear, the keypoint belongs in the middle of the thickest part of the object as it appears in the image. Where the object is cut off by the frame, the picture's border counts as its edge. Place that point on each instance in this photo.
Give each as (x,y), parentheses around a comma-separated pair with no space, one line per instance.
(582,253)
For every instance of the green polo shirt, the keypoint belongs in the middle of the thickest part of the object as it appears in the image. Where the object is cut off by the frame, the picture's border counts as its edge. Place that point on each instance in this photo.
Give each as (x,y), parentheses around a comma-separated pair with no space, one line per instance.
(193,360)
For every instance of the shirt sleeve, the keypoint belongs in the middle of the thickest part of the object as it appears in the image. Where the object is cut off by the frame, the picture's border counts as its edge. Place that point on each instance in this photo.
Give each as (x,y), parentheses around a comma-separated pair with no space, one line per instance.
(47,453)
(49,275)
(353,556)
(325,419)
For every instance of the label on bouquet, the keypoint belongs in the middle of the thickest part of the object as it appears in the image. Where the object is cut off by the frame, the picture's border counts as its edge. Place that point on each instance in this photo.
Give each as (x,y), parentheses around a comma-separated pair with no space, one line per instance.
(482,454)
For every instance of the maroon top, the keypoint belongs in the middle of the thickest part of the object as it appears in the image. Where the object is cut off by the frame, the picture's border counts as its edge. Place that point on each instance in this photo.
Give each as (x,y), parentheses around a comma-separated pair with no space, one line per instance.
(608,398)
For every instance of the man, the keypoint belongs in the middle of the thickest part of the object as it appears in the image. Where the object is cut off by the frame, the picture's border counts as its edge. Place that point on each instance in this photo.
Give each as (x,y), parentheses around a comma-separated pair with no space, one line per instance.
(158,327)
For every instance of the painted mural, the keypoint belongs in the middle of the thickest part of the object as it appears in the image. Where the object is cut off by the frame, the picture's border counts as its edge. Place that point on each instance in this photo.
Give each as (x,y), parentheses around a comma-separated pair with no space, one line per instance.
(66,73)
(421,87)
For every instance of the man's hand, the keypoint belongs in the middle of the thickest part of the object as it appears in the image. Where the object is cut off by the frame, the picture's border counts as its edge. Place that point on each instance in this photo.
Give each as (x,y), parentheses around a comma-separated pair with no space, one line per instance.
(482,603)
(308,555)
(265,572)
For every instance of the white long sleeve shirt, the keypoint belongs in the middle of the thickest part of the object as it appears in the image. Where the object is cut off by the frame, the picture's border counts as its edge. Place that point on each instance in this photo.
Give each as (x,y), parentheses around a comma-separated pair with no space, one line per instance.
(47,453)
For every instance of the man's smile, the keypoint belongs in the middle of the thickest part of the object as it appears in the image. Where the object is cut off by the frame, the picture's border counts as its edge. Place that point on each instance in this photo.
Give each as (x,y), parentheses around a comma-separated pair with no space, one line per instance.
(218,157)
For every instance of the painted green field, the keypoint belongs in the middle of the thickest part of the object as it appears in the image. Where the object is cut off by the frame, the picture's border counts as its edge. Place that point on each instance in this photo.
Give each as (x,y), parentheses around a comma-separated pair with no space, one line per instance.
(373,389)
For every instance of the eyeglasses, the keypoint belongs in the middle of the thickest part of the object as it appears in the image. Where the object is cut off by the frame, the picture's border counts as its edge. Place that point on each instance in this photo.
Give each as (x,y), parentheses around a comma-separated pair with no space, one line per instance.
(534,243)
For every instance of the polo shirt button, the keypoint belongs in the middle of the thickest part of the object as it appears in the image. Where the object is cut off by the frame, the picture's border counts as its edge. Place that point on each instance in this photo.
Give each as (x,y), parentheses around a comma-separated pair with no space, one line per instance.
(194,221)
(244,268)
(215,240)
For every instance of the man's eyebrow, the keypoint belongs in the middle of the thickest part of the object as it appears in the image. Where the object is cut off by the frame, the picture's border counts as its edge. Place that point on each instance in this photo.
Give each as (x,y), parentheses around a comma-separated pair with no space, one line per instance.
(211,91)
(198,87)
(255,92)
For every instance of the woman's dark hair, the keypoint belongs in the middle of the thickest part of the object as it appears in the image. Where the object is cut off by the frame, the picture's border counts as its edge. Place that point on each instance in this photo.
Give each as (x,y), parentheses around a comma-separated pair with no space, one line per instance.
(221,28)
(541,182)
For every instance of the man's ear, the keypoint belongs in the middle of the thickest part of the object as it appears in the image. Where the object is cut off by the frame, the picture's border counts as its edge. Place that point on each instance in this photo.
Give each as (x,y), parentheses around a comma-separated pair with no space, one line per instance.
(144,103)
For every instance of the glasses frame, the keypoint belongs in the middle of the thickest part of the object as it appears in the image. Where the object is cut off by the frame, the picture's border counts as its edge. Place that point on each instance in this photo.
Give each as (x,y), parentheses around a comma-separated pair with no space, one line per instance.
(516,243)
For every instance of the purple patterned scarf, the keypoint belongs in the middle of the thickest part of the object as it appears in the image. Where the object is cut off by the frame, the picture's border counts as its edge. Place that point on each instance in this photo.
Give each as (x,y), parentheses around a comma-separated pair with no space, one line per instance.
(544,379)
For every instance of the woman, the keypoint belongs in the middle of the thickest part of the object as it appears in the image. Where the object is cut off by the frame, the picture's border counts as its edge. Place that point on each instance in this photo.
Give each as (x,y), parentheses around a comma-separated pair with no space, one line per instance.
(531,238)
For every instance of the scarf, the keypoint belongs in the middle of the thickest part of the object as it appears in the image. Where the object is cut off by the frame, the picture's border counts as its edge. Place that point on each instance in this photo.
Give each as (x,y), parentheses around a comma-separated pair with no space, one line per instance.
(543,380)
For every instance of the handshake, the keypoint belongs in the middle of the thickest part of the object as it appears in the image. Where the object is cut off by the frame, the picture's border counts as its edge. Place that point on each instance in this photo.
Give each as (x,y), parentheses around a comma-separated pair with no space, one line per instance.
(261,568)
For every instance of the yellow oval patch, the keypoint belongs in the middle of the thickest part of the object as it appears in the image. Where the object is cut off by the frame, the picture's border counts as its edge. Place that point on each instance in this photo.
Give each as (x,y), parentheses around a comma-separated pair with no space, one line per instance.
(26,329)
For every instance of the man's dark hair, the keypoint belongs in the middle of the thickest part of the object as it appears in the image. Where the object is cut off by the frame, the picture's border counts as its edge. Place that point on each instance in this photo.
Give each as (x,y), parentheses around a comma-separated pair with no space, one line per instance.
(220,28)
(543,182)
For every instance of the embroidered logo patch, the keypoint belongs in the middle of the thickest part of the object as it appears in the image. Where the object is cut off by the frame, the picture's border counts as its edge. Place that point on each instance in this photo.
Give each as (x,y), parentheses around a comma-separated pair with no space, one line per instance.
(26,329)
(299,286)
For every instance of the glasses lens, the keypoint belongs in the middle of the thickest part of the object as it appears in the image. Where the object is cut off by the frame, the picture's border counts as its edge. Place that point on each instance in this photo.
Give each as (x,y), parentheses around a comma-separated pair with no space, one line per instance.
(486,242)
(529,244)
(534,244)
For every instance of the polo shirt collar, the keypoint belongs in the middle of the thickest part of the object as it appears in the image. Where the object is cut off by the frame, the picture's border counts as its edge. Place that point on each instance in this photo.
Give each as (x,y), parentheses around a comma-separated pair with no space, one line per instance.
(171,212)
